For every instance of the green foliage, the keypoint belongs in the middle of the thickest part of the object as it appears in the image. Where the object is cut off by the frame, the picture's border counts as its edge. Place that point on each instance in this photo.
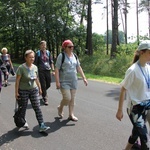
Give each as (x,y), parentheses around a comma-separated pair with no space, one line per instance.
(101,64)
(25,23)
(121,37)
(98,42)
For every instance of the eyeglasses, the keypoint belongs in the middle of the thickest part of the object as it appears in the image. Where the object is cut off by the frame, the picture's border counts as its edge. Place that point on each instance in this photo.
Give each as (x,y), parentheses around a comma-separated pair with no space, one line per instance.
(70,46)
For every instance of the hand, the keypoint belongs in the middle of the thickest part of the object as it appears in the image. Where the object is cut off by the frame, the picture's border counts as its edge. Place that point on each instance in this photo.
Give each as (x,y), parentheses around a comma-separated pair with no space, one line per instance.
(58,85)
(85,82)
(40,91)
(53,73)
(119,115)
(17,96)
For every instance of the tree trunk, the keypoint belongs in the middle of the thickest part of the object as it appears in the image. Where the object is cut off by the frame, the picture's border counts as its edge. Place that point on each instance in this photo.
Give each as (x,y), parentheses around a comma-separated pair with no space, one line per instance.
(107,27)
(89,30)
(137,16)
(114,28)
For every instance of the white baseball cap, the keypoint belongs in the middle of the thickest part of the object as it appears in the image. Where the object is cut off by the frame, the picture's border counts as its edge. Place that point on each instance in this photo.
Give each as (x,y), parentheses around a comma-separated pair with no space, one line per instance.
(144,45)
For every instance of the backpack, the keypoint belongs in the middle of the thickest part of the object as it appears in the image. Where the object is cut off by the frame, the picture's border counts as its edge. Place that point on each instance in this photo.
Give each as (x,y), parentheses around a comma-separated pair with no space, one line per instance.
(18,120)
(63,58)
(47,52)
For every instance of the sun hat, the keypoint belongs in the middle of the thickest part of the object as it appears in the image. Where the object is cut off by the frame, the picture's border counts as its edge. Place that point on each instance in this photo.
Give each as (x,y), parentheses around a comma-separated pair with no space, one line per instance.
(144,45)
(66,42)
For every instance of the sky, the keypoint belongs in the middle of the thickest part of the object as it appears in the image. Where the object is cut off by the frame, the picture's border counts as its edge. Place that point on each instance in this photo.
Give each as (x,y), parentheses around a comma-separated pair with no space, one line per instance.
(99,20)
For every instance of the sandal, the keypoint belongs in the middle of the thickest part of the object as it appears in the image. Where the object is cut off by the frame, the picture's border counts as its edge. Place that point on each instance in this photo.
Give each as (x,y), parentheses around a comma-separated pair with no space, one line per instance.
(60,113)
(73,118)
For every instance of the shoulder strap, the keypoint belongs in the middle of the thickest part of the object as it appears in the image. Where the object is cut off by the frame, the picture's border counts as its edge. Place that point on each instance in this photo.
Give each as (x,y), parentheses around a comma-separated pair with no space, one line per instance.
(48,53)
(75,56)
(63,57)
(38,53)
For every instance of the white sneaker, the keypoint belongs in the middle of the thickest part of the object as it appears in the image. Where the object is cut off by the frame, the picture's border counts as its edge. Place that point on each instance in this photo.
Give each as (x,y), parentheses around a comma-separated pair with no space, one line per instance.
(26,126)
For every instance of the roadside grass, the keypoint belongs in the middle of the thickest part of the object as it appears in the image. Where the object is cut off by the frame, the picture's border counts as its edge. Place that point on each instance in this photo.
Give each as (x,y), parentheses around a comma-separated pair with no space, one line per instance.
(16,64)
(103,78)
(95,77)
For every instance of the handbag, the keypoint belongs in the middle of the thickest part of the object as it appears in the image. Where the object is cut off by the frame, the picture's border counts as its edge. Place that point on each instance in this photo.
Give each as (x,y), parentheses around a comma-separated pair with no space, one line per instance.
(18,120)
(3,67)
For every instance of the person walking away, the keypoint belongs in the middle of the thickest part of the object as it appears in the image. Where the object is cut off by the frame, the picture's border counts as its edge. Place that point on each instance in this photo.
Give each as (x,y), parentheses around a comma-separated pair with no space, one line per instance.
(6,62)
(27,86)
(66,78)
(44,62)
(4,69)
(136,85)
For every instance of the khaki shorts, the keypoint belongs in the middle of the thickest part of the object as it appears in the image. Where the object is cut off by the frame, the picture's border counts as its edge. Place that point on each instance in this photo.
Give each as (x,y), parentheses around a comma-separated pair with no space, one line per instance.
(68,96)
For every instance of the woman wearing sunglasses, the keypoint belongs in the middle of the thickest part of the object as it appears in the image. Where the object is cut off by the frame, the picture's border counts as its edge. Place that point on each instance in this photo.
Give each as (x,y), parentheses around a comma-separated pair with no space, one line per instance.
(66,78)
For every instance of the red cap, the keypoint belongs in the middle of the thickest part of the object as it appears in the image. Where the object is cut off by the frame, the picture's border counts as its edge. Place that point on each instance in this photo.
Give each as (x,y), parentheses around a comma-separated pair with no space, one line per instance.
(65,43)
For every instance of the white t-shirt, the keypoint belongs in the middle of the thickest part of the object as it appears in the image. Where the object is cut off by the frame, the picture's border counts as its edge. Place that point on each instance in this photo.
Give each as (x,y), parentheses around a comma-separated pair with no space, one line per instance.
(136,85)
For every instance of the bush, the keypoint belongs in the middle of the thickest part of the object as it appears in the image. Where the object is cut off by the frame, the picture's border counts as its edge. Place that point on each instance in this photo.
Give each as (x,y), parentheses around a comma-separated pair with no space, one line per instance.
(101,64)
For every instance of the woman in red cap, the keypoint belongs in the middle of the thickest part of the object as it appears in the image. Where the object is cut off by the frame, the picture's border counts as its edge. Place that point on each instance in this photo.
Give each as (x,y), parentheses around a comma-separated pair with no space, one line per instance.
(66,78)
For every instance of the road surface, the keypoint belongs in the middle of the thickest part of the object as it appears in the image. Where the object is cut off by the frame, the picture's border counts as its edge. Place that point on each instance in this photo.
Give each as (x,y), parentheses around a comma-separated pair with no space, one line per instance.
(97,128)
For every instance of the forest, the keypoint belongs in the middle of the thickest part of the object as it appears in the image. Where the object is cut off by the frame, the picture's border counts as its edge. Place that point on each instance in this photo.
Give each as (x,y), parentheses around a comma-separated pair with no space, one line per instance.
(24,23)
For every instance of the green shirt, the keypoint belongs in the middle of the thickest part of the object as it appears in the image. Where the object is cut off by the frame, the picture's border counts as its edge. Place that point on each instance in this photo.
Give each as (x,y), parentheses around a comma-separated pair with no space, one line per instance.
(28,76)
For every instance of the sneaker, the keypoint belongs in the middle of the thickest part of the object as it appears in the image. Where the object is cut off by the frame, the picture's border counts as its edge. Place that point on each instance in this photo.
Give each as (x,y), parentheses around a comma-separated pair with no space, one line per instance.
(43,128)
(5,85)
(26,126)
(46,103)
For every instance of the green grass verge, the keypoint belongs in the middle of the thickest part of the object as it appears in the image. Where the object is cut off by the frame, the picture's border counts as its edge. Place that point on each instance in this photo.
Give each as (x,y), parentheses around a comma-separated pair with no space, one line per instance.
(103,78)
(96,77)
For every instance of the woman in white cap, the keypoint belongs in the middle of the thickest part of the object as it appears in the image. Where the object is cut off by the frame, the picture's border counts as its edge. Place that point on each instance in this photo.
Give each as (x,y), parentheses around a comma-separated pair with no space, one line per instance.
(137,86)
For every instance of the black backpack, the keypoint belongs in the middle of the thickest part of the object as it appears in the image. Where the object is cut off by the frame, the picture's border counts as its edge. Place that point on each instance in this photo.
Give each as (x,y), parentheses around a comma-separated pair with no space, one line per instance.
(18,120)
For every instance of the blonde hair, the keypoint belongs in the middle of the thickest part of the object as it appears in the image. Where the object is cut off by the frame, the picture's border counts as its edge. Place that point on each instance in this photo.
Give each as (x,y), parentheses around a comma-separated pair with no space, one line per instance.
(28,52)
(4,49)
(43,42)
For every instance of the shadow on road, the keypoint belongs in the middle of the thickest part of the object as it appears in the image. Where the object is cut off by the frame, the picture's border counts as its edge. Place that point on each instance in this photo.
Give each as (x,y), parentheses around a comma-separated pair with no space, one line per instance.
(15,133)
(58,123)
(12,135)
(114,94)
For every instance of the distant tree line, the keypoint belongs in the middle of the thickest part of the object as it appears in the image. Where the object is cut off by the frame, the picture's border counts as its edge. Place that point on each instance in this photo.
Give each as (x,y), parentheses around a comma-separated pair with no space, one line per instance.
(24,23)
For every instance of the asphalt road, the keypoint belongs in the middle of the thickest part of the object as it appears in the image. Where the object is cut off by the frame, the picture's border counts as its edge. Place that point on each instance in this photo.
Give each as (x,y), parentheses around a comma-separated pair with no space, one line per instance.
(97,128)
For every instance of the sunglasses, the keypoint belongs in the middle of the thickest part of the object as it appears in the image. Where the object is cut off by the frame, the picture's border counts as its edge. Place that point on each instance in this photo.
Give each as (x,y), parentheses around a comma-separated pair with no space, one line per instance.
(70,46)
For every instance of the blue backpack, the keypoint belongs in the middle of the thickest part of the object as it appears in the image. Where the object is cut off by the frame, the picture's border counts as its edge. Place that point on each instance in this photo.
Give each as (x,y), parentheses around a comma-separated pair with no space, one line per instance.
(47,52)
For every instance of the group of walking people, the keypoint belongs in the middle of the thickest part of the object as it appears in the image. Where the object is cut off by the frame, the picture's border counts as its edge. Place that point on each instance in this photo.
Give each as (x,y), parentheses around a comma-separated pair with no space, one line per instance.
(33,78)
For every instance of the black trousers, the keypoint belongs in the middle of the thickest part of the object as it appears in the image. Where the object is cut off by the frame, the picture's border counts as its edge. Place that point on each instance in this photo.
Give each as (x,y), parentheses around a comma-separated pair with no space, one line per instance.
(45,81)
(32,94)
